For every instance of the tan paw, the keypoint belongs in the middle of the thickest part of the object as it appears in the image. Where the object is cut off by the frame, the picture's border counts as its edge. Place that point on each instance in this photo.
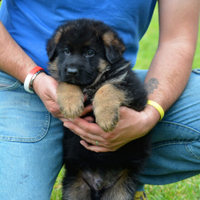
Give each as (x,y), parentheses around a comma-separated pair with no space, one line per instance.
(106,104)
(107,117)
(70,99)
(71,107)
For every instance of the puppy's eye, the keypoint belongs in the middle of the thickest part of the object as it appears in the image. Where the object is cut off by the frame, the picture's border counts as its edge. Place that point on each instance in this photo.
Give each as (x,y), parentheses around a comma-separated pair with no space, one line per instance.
(67,51)
(89,53)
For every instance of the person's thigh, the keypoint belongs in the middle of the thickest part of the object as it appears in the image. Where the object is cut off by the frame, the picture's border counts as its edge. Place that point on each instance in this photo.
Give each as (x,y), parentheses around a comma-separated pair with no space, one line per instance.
(176,139)
(30,144)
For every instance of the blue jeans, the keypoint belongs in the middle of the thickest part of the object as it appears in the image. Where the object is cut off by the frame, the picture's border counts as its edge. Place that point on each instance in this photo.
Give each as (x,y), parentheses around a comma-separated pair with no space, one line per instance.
(176,139)
(31,142)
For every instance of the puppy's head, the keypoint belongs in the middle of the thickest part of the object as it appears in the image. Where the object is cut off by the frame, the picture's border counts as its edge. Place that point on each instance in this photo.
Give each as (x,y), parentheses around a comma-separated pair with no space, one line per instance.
(82,49)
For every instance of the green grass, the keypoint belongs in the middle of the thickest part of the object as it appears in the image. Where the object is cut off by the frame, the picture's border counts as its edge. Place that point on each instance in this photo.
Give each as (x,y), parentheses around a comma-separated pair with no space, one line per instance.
(188,189)
(57,190)
(148,46)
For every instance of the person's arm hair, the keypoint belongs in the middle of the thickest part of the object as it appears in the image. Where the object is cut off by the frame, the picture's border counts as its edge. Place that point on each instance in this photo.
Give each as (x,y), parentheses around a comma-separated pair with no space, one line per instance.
(172,64)
(13,60)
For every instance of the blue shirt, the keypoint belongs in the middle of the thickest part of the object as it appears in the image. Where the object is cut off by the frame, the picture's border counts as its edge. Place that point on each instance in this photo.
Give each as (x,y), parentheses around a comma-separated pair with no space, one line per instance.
(32,23)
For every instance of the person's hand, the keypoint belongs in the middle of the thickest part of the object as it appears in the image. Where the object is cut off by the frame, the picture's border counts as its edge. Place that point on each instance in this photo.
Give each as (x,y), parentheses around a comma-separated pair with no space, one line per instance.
(132,125)
(45,86)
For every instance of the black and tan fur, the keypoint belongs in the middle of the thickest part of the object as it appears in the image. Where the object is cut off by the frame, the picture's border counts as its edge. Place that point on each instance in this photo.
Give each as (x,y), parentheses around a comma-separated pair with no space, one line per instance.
(86,57)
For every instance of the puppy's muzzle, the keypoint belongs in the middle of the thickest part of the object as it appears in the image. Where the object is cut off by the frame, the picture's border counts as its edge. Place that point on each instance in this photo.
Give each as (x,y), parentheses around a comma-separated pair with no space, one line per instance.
(72,72)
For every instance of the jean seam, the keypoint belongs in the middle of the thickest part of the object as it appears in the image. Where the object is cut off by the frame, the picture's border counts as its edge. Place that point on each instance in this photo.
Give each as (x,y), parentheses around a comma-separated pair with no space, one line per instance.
(191,152)
(179,124)
(12,87)
(174,142)
(35,139)
(170,142)
(196,71)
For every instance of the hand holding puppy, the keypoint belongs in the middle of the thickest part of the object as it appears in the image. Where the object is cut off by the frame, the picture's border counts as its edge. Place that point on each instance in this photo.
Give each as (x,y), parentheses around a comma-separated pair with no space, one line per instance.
(132,125)
(47,94)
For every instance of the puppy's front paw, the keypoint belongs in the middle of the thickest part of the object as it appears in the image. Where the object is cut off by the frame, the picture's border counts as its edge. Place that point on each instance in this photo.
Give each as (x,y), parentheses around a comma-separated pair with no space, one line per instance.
(70,99)
(107,117)
(71,107)
(107,102)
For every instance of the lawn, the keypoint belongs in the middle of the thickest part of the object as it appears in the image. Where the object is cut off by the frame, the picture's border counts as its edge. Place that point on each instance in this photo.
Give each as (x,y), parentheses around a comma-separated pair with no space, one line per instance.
(148,46)
(188,189)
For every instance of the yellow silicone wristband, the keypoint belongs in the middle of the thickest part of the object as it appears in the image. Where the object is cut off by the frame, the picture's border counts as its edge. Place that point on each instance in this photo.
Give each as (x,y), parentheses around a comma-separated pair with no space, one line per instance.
(157,107)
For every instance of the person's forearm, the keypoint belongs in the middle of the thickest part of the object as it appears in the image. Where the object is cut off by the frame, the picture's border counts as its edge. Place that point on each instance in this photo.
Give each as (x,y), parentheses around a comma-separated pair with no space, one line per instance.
(13,60)
(169,72)
(171,67)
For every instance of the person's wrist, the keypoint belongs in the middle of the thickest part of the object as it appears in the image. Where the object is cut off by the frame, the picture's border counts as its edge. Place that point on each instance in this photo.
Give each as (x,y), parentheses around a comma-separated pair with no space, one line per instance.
(28,83)
(157,107)
(37,84)
(151,117)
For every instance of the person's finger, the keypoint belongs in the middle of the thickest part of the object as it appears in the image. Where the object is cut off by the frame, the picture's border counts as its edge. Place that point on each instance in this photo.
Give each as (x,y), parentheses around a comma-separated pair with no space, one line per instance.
(88,127)
(83,133)
(94,148)
(89,119)
(93,140)
(61,117)
(87,109)
(74,128)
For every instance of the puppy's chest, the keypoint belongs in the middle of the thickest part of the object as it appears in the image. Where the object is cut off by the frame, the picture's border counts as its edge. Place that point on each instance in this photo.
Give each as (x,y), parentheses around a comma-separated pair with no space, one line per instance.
(106,78)
(90,92)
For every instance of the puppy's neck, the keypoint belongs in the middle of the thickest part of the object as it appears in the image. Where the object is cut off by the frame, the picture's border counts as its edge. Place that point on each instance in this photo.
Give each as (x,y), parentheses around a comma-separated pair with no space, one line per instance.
(100,75)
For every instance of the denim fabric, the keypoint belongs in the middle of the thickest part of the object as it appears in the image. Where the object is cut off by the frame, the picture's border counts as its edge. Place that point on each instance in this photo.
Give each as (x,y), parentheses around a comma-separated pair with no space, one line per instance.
(30,144)
(176,139)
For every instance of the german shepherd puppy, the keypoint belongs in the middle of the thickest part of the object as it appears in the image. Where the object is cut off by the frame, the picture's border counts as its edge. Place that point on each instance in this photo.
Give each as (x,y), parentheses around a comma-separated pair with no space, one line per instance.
(86,57)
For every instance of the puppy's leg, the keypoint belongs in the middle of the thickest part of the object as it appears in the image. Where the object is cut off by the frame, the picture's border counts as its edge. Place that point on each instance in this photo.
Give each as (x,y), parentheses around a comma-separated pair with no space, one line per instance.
(107,102)
(124,189)
(70,99)
(75,189)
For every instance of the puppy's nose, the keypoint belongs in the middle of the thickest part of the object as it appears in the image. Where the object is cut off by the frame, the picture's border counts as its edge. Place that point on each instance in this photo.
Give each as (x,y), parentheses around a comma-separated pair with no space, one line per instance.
(72,71)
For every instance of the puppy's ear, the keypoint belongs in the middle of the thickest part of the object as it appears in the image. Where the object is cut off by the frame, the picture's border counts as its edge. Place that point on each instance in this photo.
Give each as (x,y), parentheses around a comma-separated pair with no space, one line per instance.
(52,44)
(114,47)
